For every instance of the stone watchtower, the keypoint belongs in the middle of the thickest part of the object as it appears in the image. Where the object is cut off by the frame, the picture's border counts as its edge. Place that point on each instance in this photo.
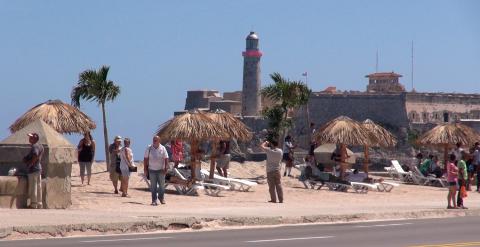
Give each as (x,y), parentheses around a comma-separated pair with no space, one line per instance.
(251,100)
(384,83)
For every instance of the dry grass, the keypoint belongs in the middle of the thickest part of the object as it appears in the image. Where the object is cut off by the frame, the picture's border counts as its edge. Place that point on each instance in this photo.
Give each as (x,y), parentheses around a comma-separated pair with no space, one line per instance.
(190,126)
(383,137)
(231,125)
(450,133)
(62,117)
(345,131)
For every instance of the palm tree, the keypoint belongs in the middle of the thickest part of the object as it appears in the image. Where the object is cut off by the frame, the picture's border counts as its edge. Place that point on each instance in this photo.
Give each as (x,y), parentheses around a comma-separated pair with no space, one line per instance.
(93,86)
(288,95)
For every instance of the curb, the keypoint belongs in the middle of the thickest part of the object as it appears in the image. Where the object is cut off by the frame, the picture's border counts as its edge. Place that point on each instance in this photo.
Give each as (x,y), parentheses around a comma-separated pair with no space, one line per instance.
(206,223)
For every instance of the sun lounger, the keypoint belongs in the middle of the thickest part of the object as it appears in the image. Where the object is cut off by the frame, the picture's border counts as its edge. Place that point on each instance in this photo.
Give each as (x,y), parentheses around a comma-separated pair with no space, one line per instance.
(428,180)
(386,186)
(406,177)
(184,189)
(391,172)
(211,189)
(234,183)
(312,184)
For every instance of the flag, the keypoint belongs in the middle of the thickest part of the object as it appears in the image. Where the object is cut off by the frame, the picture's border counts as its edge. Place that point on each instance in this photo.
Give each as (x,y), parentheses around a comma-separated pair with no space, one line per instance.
(304,73)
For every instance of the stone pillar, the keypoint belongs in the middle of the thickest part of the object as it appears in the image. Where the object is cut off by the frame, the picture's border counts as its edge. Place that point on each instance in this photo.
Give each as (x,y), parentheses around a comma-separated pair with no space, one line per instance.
(251,100)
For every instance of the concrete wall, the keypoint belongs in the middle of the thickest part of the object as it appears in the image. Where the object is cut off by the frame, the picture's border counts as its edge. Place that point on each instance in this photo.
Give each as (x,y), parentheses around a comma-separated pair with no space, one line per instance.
(234,107)
(201,99)
(435,107)
(56,171)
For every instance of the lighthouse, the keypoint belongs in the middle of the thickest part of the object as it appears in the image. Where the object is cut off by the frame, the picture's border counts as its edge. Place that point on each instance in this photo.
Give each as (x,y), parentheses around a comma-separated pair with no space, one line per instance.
(251,100)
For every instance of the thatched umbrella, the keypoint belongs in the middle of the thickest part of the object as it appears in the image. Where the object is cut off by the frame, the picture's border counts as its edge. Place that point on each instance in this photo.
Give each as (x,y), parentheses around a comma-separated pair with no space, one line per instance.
(235,128)
(447,135)
(62,117)
(383,138)
(343,131)
(193,126)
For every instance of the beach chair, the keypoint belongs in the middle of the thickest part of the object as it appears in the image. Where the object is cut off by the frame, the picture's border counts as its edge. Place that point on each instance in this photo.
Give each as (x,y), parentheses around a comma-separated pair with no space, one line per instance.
(429,180)
(406,177)
(234,183)
(386,186)
(391,172)
(210,189)
(183,189)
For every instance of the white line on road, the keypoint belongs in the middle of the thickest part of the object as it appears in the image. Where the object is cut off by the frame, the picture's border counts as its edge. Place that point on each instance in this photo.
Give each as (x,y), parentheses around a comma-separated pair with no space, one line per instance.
(286,239)
(122,239)
(398,224)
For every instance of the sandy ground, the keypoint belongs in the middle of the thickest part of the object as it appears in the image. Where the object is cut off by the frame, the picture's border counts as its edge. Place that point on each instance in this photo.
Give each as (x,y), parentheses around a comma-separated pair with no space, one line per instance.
(97,203)
(298,201)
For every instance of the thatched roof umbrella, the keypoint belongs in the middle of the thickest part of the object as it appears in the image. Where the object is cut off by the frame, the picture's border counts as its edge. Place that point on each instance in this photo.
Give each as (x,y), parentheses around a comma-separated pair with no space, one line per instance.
(193,126)
(383,138)
(446,135)
(235,128)
(62,117)
(343,131)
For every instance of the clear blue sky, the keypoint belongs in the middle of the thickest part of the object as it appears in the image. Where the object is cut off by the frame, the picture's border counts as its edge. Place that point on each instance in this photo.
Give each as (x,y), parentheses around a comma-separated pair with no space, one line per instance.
(159,49)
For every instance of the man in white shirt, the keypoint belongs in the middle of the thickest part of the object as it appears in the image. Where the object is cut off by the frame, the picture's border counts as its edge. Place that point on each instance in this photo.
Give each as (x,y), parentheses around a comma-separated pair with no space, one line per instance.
(274,159)
(155,163)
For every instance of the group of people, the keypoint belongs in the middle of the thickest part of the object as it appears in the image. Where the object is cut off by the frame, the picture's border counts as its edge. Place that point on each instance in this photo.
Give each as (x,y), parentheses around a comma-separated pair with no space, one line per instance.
(461,169)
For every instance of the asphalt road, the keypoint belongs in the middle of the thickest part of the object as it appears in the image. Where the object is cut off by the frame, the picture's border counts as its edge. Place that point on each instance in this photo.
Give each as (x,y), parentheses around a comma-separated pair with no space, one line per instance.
(462,231)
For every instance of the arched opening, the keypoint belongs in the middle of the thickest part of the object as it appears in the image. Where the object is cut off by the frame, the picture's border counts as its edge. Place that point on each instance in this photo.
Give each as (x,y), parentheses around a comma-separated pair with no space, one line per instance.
(445,117)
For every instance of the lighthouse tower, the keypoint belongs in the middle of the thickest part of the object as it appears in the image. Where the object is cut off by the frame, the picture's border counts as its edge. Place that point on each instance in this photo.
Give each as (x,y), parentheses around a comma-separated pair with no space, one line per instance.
(251,100)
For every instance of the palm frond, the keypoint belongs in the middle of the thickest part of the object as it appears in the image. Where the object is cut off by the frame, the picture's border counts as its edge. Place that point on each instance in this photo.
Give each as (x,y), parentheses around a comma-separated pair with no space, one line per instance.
(383,137)
(231,125)
(192,125)
(449,134)
(62,117)
(343,130)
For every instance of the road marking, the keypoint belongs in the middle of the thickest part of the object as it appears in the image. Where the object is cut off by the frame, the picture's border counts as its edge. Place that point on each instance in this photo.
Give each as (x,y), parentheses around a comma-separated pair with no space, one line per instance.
(286,239)
(122,239)
(450,245)
(398,224)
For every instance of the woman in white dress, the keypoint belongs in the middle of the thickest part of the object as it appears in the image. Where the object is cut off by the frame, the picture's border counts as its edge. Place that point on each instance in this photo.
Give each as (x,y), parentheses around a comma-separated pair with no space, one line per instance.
(126,162)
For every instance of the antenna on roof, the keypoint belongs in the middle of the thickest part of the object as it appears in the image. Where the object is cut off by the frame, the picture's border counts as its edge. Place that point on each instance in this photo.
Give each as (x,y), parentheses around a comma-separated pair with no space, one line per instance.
(413,88)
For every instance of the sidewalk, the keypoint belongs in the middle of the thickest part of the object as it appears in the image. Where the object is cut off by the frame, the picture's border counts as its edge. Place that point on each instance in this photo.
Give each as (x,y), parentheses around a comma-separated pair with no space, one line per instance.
(96,210)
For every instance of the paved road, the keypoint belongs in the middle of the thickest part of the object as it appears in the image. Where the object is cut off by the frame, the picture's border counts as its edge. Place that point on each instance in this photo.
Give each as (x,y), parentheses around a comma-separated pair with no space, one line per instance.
(463,231)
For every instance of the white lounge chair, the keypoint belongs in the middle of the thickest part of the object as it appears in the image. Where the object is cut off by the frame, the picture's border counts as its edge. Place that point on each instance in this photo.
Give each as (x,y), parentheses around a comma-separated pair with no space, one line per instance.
(427,180)
(406,177)
(234,183)
(211,189)
(386,186)
(183,189)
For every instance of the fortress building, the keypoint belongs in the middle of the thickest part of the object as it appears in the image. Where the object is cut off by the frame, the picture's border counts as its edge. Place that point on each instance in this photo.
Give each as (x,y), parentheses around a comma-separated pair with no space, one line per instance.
(384,101)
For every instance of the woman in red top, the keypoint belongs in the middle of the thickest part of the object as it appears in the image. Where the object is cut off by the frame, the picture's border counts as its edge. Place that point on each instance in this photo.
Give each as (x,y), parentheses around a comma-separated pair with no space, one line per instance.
(452,174)
(177,151)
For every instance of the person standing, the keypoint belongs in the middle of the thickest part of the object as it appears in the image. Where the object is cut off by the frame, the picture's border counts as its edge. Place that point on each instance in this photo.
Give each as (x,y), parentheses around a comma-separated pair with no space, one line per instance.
(458,151)
(86,155)
(462,180)
(476,163)
(177,151)
(155,163)
(34,170)
(223,161)
(126,163)
(273,167)
(288,155)
(452,174)
(114,152)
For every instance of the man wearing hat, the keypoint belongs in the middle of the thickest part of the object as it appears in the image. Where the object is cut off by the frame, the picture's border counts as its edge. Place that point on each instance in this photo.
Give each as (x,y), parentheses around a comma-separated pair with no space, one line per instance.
(34,170)
(114,152)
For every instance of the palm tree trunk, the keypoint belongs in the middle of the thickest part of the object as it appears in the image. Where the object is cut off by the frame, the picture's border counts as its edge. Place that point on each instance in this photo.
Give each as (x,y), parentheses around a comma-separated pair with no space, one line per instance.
(105,135)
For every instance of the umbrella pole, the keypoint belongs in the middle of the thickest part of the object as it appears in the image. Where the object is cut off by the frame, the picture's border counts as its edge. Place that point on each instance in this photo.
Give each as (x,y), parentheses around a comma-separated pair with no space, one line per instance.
(365,162)
(212,159)
(445,157)
(343,152)
(193,159)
